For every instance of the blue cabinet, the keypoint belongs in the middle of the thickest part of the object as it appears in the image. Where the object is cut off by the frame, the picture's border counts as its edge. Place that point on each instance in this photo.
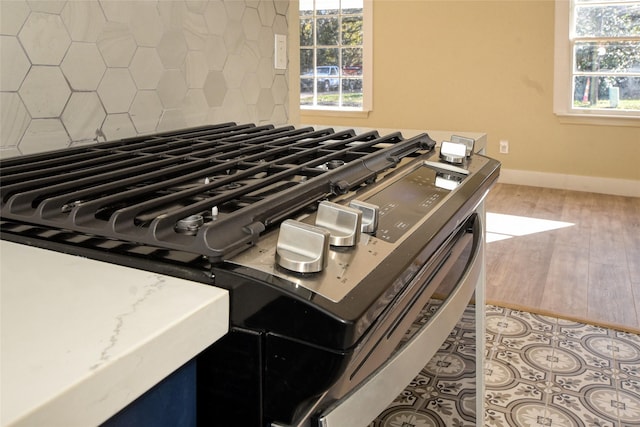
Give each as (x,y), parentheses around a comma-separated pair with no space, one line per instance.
(170,403)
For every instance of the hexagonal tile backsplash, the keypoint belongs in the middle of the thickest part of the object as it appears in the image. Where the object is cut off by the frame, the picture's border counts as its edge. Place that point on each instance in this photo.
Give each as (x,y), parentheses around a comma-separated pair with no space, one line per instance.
(77,72)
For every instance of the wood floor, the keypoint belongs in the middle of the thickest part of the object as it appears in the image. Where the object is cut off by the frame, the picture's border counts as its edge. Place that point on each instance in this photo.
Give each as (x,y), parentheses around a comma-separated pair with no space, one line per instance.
(572,254)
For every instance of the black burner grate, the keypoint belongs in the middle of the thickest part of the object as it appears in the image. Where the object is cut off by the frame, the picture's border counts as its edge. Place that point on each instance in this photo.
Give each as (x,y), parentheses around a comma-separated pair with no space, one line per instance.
(209,190)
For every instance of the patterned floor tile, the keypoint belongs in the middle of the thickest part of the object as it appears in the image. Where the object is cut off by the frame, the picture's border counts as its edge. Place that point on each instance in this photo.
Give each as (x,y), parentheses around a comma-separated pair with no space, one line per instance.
(539,371)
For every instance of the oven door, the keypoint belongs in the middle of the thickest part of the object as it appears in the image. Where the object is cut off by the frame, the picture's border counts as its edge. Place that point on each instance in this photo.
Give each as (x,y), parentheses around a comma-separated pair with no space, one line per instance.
(458,278)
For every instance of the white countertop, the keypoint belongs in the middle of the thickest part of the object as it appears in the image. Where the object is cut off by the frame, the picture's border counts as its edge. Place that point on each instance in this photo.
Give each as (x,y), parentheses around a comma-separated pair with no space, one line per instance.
(80,339)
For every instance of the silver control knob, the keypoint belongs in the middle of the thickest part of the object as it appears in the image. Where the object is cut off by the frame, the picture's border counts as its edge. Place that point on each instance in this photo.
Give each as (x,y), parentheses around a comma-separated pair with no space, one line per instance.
(342,222)
(468,142)
(453,152)
(370,214)
(302,247)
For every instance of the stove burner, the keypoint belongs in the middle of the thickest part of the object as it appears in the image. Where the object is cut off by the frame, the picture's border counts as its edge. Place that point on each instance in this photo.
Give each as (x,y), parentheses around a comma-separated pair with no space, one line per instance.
(333,164)
(68,207)
(190,225)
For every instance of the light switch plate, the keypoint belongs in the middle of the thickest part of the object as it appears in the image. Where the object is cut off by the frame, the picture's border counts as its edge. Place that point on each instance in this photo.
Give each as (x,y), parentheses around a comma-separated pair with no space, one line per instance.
(280,56)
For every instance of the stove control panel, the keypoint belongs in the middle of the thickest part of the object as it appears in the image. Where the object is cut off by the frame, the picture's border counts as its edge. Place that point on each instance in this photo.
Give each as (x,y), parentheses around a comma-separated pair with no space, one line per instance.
(330,251)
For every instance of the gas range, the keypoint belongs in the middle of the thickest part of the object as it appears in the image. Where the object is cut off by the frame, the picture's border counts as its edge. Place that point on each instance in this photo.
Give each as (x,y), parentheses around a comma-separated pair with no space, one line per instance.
(330,242)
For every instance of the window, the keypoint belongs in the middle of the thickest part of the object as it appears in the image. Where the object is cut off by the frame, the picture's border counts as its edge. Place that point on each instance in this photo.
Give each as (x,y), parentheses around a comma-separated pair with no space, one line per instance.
(597,58)
(334,54)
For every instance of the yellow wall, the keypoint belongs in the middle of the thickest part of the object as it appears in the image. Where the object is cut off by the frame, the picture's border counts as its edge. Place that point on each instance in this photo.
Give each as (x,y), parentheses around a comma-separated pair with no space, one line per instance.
(485,66)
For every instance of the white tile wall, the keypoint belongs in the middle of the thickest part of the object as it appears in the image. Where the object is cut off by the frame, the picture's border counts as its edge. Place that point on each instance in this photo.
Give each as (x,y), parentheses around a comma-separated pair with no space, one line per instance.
(44,132)
(146,68)
(83,116)
(12,111)
(83,66)
(14,62)
(117,90)
(77,72)
(44,91)
(44,38)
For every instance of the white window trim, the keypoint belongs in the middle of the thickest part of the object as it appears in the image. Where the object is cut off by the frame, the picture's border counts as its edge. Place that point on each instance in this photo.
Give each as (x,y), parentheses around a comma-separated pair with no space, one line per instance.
(367,75)
(563,79)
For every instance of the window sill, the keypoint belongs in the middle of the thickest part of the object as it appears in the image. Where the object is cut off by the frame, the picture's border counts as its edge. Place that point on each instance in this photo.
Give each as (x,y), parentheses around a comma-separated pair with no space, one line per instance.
(334,112)
(598,119)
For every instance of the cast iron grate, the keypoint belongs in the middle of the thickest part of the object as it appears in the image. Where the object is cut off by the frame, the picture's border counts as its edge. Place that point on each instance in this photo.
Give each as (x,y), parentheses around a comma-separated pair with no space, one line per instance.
(209,190)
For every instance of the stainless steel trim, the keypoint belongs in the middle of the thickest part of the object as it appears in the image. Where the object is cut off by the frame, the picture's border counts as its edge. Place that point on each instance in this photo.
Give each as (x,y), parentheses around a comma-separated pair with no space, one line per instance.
(364,403)
(446,167)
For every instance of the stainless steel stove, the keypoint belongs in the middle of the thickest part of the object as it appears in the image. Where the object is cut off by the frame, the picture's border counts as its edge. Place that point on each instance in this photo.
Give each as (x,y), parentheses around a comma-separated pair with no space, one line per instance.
(330,243)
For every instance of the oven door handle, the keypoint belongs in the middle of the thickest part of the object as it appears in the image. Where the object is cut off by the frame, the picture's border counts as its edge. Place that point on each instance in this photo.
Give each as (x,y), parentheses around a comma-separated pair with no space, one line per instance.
(367,401)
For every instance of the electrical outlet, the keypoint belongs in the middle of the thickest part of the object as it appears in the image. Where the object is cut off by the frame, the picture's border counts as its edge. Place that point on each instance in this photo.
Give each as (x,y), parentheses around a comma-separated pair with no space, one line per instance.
(504,146)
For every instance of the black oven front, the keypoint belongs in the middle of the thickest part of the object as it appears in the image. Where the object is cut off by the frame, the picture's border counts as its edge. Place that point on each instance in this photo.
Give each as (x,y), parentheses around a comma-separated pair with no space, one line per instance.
(281,364)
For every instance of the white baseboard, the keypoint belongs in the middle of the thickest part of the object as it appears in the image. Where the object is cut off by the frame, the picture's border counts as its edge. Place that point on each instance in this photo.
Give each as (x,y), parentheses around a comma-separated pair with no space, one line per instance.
(592,184)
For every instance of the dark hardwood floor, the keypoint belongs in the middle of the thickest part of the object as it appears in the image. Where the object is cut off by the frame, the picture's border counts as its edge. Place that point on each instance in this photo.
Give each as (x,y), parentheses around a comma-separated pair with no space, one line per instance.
(567,253)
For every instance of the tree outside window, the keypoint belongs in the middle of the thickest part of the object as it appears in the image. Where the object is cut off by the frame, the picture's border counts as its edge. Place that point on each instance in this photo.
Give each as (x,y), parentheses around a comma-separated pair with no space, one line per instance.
(606,54)
(331,53)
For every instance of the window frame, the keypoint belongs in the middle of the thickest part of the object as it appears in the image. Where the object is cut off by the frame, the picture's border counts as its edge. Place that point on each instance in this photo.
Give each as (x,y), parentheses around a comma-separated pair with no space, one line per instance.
(563,78)
(367,71)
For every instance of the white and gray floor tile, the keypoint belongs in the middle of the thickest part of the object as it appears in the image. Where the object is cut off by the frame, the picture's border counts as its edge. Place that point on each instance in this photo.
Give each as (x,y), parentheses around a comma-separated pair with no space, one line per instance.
(539,371)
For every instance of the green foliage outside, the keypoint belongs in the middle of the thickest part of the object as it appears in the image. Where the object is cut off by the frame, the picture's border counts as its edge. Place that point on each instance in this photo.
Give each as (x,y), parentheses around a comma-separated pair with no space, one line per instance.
(607,54)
